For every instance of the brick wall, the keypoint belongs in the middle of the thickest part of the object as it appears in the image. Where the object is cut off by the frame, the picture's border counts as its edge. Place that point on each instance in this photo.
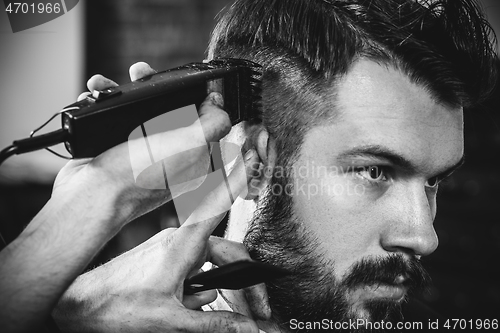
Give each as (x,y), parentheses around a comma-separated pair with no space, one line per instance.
(164,33)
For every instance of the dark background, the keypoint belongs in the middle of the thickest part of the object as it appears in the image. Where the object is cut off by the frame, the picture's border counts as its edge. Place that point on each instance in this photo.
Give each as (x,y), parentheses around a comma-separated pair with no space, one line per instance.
(170,33)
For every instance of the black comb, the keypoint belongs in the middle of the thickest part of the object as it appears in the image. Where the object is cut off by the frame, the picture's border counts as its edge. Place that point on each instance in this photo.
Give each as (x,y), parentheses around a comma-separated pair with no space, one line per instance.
(237,275)
(107,118)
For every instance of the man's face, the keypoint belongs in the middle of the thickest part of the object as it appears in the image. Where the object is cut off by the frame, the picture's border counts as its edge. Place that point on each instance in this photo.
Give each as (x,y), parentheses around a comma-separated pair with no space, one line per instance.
(363,201)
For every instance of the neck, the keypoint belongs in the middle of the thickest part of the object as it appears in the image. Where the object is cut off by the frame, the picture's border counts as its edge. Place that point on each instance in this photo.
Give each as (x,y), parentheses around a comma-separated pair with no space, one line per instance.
(239,219)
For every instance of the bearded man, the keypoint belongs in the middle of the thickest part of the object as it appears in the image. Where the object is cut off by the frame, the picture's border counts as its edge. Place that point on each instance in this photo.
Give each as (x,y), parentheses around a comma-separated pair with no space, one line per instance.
(362,119)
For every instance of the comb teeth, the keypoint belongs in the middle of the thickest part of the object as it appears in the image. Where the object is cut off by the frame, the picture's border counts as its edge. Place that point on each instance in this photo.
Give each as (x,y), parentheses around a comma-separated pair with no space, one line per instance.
(242,88)
(256,91)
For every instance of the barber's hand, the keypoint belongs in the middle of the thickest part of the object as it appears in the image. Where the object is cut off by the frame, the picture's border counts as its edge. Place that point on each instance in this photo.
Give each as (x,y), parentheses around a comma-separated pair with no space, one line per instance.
(142,290)
(106,183)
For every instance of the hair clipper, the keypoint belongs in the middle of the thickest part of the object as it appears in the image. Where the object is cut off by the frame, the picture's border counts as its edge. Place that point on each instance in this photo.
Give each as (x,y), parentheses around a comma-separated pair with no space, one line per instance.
(106,118)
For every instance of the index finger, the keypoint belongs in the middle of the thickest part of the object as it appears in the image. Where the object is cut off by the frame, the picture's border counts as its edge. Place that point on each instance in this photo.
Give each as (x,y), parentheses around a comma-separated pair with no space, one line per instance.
(214,206)
(193,235)
(213,119)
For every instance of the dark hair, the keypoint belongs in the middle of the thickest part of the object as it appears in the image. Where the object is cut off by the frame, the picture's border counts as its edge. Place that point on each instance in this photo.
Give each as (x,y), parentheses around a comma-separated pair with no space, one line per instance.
(304,45)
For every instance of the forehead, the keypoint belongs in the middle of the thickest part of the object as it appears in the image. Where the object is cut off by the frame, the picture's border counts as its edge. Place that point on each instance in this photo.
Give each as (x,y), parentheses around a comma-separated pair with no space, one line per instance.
(379,105)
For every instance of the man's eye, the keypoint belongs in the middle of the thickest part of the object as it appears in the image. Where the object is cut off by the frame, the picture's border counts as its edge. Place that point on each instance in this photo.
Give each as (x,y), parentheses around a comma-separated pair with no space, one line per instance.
(432,182)
(372,173)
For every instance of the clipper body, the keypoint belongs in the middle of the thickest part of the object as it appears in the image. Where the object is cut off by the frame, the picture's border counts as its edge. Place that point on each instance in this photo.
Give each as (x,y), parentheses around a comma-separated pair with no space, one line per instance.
(106,118)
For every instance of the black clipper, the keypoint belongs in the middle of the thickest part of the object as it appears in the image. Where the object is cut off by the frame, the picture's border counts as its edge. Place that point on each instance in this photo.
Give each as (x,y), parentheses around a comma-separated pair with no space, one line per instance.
(237,275)
(106,118)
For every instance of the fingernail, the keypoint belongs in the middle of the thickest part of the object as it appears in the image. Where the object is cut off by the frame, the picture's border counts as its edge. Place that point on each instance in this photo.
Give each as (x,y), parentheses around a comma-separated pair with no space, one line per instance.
(249,154)
(217,99)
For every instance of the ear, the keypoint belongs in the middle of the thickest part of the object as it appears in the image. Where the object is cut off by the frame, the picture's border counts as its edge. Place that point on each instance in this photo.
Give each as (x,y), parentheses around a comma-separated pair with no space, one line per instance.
(266,149)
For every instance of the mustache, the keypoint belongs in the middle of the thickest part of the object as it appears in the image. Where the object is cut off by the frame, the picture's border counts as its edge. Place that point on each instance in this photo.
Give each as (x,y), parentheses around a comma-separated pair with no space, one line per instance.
(386,270)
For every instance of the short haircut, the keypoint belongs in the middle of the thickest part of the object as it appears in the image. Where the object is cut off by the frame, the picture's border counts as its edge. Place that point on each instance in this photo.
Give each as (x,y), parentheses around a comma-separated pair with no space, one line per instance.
(446,46)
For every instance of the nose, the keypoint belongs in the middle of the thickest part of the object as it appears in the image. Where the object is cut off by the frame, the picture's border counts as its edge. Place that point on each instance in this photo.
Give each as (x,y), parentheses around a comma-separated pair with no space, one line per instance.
(409,227)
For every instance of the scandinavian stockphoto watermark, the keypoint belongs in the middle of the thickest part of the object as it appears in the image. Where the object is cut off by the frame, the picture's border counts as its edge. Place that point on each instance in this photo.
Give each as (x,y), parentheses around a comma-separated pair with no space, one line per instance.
(151,165)
(353,325)
(310,180)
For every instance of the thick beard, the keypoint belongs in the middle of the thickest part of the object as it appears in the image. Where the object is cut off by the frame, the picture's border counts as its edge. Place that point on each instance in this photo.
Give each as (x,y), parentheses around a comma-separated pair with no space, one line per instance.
(312,293)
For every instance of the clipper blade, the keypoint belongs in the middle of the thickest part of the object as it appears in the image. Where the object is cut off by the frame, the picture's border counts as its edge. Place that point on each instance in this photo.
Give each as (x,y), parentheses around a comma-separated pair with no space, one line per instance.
(242,92)
(106,118)
(256,93)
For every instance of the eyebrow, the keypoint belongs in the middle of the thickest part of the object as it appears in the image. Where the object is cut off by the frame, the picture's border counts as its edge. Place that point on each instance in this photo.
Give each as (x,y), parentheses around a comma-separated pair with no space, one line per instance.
(380,152)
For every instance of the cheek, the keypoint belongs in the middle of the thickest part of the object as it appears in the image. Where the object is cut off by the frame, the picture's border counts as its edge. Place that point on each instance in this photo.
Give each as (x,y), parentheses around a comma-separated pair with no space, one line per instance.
(337,211)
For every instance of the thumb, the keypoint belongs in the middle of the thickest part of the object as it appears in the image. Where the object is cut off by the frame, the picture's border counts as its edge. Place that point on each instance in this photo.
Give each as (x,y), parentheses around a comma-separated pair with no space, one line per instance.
(220,321)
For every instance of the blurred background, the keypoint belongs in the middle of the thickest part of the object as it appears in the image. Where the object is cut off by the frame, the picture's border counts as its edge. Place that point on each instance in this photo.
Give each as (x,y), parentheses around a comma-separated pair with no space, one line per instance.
(45,68)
